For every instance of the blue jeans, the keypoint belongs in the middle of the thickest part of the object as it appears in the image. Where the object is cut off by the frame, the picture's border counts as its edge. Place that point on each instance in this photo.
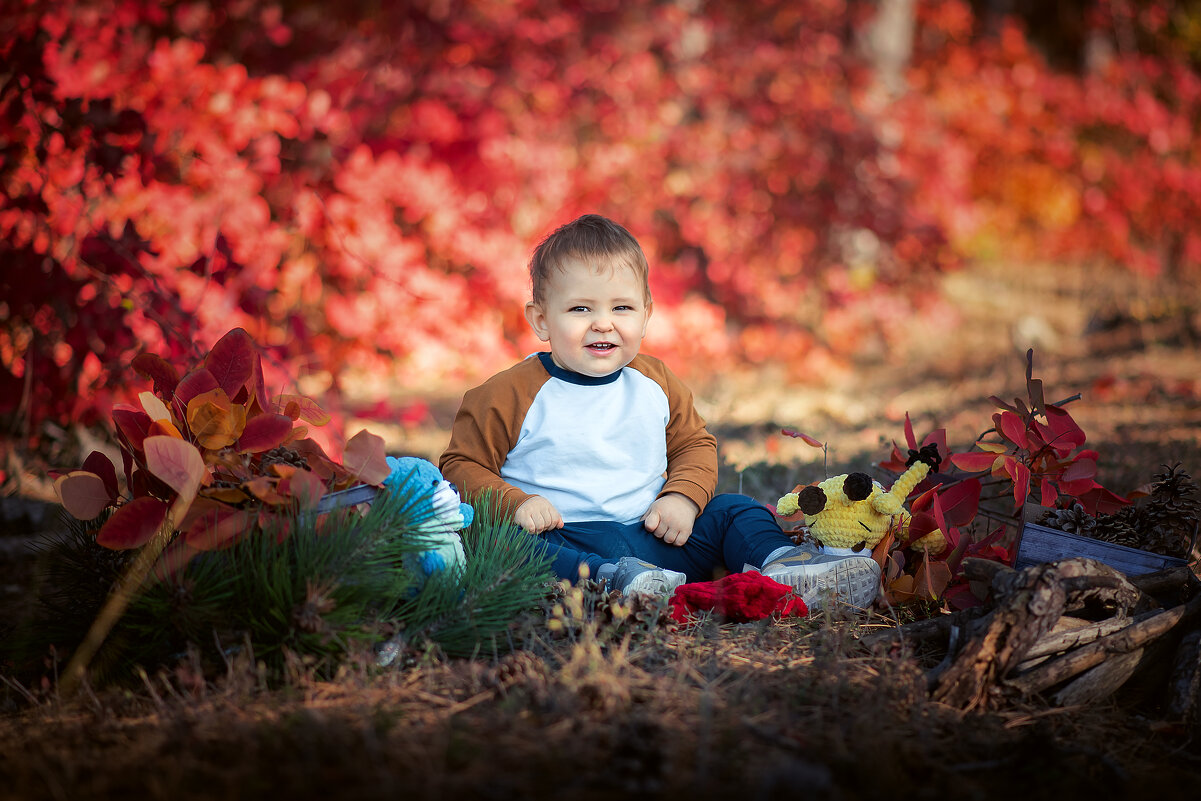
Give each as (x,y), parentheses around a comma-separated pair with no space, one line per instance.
(733,530)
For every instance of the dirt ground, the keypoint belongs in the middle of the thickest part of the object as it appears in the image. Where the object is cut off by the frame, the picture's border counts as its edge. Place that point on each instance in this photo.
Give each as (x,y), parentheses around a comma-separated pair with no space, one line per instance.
(761,710)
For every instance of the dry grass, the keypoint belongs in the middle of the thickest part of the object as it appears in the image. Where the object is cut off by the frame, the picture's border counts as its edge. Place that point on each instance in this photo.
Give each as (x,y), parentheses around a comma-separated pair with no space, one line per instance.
(712,711)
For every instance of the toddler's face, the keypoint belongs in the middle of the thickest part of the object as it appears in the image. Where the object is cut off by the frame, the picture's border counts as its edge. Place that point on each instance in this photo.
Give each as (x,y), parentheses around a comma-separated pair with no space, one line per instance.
(594,317)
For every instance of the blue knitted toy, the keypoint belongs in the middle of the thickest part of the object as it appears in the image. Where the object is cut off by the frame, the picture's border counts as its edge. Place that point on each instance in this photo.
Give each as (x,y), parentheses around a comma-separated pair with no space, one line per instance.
(439,513)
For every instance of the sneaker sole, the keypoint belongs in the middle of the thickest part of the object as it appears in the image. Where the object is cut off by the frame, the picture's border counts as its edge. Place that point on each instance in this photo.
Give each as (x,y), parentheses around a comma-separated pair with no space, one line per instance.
(656,585)
(853,581)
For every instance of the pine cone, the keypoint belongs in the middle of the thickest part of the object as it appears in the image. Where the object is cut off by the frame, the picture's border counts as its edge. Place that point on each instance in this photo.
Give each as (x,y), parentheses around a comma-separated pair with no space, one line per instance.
(518,669)
(282,455)
(1115,530)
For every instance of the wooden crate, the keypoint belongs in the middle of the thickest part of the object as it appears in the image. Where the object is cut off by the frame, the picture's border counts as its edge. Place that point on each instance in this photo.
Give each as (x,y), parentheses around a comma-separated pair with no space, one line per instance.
(1040,544)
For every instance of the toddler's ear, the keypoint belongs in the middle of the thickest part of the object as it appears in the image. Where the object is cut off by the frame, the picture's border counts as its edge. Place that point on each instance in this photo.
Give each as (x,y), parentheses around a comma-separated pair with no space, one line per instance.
(536,317)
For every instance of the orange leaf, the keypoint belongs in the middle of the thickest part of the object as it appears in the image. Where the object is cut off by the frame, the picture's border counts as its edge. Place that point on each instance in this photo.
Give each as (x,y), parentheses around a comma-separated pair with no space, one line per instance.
(901,590)
(931,578)
(83,494)
(303,486)
(214,421)
(365,458)
(264,488)
(195,383)
(133,524)
(176,463)
(163,428)
(299,407)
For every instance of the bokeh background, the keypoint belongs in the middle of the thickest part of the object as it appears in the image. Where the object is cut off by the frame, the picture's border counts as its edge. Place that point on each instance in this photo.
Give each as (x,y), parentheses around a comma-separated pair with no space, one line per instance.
(853,210)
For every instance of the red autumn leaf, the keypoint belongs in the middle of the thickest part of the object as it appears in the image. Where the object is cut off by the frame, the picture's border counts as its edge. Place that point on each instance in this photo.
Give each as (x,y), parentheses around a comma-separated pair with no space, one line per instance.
(133,524)
(263,432)
(1065,435)
(1099,500)
(133,425)
(1012,427)
(1080,468)
(1048,495)
(910,439)
(83,494)
(808,440)
(960,502)
(176,463)
(974,461)
(231,361)
(259,384)
(939,438)
(194,383)
(298,407)
(364,458)
(1021,484)
(102,466)
(218,528)
(158,370)
(960,596)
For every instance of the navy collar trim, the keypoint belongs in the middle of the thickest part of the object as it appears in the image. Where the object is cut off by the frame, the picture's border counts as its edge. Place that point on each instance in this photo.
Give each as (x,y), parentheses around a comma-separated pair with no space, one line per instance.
(575,378)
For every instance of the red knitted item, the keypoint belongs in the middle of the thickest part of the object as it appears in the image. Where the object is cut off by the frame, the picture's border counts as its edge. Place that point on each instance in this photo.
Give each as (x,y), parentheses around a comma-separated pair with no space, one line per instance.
(737,598)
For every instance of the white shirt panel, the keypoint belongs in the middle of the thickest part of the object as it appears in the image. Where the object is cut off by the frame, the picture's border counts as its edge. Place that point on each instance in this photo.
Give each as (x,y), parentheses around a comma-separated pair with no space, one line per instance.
(596,451)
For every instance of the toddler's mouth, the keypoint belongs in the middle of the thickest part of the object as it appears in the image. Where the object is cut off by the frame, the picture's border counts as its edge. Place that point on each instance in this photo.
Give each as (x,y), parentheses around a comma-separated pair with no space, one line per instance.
(602,346)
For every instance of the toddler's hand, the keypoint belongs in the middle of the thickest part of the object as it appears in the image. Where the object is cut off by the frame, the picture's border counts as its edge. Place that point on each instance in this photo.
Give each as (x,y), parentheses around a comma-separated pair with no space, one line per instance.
(670,518)
(537,515)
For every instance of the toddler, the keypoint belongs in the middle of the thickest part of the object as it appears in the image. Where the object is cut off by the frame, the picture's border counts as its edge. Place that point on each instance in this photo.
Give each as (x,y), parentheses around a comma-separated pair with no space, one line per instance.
(598,450)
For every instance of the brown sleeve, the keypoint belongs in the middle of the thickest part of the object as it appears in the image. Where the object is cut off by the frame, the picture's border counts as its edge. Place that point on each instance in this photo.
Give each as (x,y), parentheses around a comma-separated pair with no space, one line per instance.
(486,428)
(691,449)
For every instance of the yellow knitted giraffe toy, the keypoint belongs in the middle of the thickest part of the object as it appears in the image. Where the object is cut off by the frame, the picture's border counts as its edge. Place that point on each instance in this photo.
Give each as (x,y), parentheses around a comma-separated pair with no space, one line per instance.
(852,510)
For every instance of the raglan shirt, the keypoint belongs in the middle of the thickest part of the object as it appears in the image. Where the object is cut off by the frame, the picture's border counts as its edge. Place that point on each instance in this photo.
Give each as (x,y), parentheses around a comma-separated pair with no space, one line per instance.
(598,448)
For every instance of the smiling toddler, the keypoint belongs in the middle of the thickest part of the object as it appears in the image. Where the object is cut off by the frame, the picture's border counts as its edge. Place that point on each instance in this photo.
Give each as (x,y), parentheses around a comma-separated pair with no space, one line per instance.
(599,450)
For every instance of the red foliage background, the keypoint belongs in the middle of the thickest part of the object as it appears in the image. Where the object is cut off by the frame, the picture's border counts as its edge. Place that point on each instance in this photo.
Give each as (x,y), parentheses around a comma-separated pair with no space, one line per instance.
(358,185)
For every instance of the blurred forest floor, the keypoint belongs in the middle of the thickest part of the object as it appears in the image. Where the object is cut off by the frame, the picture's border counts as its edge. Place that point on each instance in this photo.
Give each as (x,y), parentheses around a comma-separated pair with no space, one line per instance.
(754,710)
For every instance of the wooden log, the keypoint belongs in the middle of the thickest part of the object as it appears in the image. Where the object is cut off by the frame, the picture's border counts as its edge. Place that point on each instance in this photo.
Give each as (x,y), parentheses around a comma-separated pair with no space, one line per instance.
(1184,686)
(1171,581)
(1029,606)
(1065,638)
(1098,682)
(1085,582)
(1143,630)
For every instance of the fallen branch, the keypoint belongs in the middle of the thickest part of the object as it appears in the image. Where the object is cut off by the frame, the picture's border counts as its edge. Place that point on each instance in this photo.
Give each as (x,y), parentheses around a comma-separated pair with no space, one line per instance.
(1030,605)
(1145,629)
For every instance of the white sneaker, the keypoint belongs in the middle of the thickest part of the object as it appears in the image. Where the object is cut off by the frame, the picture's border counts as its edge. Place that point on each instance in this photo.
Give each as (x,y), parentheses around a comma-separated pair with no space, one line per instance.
(634,575)
(820,578)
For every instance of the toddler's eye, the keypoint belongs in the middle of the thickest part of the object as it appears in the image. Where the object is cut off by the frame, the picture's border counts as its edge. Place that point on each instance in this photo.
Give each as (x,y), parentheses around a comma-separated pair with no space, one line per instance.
(578,308)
